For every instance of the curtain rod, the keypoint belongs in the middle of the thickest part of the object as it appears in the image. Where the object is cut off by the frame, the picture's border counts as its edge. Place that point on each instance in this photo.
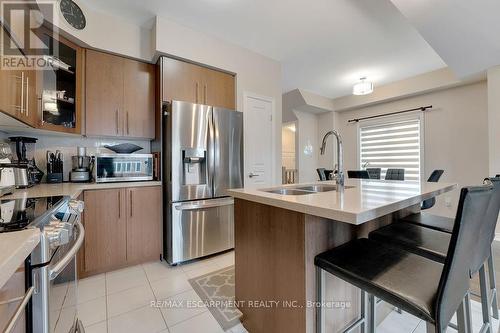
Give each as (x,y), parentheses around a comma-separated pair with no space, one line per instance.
(421,108)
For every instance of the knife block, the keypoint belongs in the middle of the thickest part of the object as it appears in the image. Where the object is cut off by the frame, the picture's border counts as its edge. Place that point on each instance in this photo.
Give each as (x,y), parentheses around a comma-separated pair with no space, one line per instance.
(53,178)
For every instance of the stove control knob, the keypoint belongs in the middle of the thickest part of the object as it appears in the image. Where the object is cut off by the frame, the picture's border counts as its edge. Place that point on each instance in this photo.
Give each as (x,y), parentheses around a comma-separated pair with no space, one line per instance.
(63,236)
(52,235)
(76,205)
(68,227)
(54,223)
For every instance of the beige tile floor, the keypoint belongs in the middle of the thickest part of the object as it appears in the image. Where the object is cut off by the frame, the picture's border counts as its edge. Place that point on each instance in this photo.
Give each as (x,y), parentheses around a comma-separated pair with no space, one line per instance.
(120,301)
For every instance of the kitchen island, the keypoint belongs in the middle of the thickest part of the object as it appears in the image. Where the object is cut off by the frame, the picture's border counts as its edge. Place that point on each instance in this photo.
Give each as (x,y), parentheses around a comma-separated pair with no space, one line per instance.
(279,231)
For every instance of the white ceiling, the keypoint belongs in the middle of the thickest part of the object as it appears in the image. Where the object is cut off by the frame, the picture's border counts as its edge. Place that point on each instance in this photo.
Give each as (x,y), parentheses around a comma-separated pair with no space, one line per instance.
(324,45)
(465,33)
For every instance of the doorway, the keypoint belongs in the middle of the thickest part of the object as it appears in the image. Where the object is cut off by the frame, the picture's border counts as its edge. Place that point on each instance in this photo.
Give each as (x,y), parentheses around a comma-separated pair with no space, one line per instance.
(289,172)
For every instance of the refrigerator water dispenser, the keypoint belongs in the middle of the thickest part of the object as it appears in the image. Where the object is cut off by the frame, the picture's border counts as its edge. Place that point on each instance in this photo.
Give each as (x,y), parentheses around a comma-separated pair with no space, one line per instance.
(194,166)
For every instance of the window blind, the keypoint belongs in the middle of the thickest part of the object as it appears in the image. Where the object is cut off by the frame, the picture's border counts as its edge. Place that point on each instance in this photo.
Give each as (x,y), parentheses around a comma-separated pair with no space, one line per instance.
(392,145)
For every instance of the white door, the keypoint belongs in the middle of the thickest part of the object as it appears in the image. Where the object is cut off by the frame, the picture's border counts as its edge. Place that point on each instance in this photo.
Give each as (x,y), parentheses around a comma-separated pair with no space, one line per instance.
(258,124)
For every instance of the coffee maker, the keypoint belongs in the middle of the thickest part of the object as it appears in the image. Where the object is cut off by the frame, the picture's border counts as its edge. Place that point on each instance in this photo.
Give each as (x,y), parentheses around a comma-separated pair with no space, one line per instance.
(83,166)
(26,172)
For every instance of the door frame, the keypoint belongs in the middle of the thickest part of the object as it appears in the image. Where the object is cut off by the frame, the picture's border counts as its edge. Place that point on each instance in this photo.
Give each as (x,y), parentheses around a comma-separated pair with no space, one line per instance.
(271,100)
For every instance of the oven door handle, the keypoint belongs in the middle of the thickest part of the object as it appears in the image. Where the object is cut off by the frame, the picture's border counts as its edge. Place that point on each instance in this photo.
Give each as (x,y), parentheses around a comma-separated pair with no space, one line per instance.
(61,264)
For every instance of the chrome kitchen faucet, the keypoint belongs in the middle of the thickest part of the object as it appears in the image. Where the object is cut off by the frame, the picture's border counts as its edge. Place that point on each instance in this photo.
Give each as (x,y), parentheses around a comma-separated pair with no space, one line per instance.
(339,176)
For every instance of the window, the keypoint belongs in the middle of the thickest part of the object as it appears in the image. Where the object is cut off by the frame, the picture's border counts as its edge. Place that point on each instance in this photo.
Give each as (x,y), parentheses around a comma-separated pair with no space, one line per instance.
(392,144)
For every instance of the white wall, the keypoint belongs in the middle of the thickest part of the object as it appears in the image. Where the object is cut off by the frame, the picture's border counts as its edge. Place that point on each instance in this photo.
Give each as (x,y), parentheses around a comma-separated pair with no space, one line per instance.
(326,122)
(307,134)
(456,136)
(254,72)
(109,33)
(494,119)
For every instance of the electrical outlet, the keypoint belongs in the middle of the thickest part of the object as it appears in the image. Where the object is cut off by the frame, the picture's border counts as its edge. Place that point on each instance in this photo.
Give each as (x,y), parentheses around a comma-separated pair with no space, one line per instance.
(447,201)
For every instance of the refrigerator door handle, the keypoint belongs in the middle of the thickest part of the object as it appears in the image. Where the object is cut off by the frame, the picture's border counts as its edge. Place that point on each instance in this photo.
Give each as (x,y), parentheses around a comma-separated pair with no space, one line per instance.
(211,152)
(195,206)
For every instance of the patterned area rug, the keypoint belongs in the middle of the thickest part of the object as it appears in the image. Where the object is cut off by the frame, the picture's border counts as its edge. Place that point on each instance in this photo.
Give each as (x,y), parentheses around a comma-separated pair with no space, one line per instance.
(216,289)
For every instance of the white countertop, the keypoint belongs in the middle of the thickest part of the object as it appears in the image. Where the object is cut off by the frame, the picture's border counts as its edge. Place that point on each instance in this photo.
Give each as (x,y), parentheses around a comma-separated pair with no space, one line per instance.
(14,248)
(72,189)
(367,200)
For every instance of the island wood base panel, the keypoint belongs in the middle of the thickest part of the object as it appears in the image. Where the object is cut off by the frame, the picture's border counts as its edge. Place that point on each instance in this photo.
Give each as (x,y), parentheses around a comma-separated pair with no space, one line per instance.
(274,263)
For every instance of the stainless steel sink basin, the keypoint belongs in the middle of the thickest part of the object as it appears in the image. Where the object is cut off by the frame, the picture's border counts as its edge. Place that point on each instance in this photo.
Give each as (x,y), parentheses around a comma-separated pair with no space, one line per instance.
(302,190)
(318,188)
(287,191)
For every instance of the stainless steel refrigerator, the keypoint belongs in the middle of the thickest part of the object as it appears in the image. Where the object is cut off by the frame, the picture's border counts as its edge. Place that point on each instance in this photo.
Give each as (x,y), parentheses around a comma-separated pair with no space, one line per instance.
(202,157)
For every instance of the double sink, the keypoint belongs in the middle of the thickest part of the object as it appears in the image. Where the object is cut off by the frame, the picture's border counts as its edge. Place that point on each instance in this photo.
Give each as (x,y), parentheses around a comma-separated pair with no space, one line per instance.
(303,190)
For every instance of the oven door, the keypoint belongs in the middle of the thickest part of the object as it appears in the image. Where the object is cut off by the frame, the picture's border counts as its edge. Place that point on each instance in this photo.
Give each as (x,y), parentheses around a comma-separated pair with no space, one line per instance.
(62,299)
(63,288)
(55,298)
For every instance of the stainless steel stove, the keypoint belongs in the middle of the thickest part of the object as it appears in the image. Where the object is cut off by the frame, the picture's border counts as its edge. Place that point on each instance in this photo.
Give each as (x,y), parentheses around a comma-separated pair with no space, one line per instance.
(53,262)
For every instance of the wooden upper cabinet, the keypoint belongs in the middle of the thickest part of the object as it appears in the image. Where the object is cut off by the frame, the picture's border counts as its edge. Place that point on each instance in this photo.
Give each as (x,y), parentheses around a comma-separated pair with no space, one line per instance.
(139,99)
(59,104)
(143,223)
(49,99)
(219,89)
(120,96)
(188,82)
(10,96)
(18,92)
(105,230)
(103,94)
(182,81)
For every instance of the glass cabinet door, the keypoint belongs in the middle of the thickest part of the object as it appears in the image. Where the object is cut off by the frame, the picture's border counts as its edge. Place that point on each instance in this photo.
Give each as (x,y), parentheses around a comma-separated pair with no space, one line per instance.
(59,86)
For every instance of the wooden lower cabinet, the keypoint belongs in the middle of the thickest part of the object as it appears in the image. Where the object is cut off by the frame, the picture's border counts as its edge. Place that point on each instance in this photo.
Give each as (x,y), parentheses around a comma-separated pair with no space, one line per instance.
(105,226)
(122,228)
(143,224)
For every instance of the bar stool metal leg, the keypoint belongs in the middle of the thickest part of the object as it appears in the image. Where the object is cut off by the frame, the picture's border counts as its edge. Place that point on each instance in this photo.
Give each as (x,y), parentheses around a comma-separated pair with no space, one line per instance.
(461,321)
(493,287)
(364,310)
(372,314)
(485,303)
(468,313)
(319,300)
(430,328)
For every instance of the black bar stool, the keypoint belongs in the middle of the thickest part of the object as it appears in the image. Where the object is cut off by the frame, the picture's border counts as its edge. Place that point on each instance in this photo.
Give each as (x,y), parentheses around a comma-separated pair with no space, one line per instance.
(374,173)
(360,174)
(433,244)
(422,287)
(433,178)
(395,174)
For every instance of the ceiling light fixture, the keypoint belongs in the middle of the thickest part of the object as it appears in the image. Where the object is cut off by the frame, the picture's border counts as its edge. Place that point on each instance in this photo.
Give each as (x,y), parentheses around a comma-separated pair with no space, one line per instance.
(363,87)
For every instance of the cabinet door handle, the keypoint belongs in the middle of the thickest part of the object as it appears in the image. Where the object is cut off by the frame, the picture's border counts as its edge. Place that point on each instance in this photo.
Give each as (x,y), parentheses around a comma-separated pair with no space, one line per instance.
(27,95)
(197,92)
(40,112)
(205,92)
(128,127)
(119,204)
(22,92)
(131,204)
(116,116)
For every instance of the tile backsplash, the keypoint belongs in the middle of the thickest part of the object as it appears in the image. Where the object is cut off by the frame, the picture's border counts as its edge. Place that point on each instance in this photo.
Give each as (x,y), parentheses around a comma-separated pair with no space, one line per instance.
(68,146)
